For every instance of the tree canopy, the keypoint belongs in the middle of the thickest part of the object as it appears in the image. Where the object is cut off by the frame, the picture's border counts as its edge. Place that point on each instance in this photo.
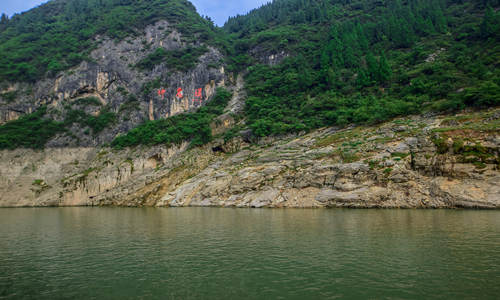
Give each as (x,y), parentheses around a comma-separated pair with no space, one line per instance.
(60,34)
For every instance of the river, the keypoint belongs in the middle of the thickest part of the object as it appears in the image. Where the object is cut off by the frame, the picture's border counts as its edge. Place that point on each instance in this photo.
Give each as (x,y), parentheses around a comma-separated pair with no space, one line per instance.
(211,253)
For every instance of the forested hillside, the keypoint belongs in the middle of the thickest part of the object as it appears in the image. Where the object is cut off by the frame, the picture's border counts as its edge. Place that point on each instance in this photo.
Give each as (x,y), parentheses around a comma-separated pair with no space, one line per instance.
(299,103)
(334,62)
(60,34)
(131,48)
(366,61)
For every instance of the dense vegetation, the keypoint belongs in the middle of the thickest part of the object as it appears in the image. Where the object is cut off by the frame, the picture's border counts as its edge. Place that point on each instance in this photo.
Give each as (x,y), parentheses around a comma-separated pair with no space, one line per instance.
(194,126)
(178,60)
(366,61)
(348,61)
(29,131)
(96,123)
(59,34)
(36,129)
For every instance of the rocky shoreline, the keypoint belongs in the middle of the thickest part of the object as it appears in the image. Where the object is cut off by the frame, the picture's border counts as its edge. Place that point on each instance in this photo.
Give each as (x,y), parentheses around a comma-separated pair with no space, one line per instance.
(415,162)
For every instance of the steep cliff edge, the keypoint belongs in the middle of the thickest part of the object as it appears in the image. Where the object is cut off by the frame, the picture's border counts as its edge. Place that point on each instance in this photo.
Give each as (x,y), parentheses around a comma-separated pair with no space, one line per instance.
(166,67)
(416,162)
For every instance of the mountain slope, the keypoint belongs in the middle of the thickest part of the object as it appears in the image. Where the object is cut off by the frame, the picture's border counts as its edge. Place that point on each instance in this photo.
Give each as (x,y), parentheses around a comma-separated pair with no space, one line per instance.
(60,34)
(118,65)
(344,62)
(144,114)
(308,64)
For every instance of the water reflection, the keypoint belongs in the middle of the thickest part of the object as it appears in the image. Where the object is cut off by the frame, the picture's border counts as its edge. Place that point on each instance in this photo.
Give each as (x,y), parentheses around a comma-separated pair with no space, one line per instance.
(248,253)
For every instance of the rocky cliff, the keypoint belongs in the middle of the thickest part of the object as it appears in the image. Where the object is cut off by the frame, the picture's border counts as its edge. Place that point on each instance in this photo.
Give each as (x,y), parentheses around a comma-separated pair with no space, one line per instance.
(307,64)
(417,162)
(112,77)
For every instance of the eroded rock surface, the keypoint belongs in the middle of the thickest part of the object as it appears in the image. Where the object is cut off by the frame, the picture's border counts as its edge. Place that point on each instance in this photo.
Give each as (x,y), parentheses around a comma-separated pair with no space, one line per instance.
(112,77)
(411,162)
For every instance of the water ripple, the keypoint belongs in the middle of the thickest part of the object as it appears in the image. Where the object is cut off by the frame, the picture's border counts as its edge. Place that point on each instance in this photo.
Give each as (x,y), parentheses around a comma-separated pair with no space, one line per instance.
(201,253)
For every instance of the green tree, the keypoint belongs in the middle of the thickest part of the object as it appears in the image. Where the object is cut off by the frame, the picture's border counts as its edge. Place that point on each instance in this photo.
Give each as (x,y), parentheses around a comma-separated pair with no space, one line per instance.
(362,40)
(384,70)
(404,35)
(4,19)
(363,79)
(373,66)
(489,24)
(350,60)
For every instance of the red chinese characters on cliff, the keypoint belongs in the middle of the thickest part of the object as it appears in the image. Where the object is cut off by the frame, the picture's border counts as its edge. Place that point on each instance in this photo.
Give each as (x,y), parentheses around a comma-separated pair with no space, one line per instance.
(197,96)
(180,93)
(161,93)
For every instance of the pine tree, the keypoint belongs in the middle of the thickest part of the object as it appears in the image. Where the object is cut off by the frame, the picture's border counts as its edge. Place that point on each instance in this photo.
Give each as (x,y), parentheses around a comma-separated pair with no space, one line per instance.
(362,40)
(440,22)
(335,49)
(332,77)
(489,24)
(372,66)
(325,59)
(384,70)
(403,35)
(363,79)
(350,60)
(4,19)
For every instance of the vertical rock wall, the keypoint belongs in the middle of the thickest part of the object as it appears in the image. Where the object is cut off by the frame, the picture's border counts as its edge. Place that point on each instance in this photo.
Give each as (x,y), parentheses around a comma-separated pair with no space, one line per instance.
(112,78)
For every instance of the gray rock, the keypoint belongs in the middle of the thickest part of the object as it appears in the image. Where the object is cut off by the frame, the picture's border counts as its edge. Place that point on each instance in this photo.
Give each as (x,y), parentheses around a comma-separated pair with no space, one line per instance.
(402,147)
(328,196)
(400,129)
(412,142)
(389,163)
(112,78)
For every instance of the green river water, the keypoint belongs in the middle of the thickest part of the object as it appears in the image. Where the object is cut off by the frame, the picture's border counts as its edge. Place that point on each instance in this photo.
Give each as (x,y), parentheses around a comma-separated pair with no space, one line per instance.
(210,253)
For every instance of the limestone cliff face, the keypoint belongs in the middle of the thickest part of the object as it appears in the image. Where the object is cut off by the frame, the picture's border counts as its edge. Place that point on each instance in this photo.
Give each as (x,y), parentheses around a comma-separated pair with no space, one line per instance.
(111,77)
(399,164)
(417,162)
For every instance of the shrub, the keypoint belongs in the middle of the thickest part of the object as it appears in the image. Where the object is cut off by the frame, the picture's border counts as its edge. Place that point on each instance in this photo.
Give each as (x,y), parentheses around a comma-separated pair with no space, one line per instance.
(9,96)
(88,101)
(179,60)
(29,131)
(97,123)
(441,145)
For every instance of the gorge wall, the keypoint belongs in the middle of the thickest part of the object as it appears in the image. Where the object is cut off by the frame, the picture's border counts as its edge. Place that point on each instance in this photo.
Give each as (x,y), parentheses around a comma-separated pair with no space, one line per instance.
(91,84)
(416,162)
(113,77)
